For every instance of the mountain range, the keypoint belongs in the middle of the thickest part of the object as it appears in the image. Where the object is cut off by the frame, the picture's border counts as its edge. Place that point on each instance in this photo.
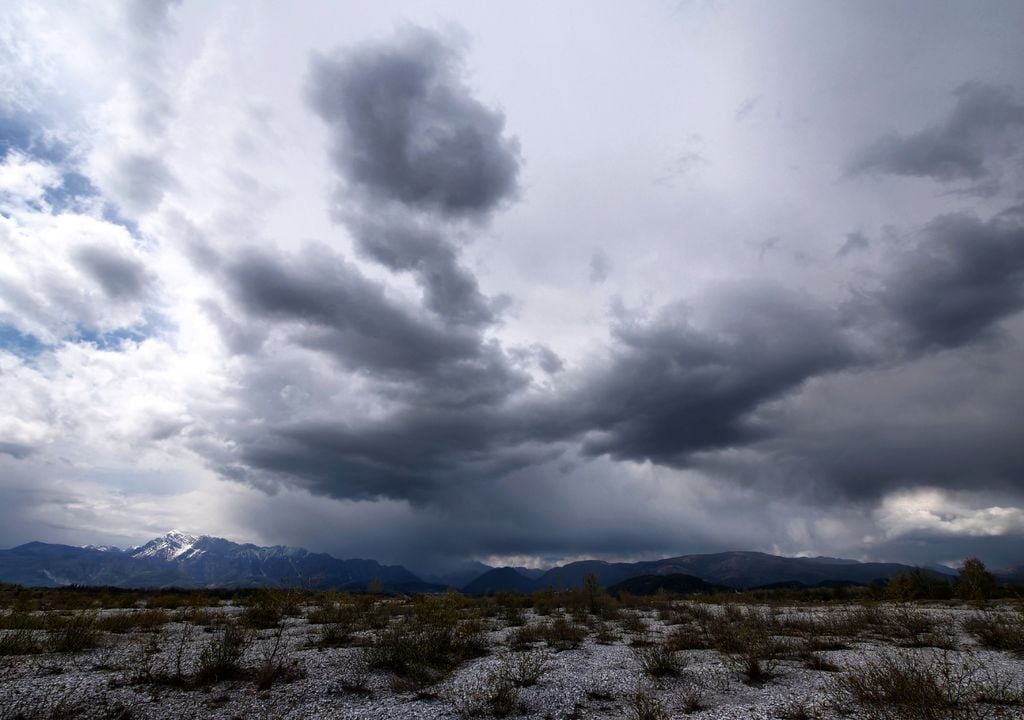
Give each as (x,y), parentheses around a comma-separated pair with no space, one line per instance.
(178,559)
(182,560)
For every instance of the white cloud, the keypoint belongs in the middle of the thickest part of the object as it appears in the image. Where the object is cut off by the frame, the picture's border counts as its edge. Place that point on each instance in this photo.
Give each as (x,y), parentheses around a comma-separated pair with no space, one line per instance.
(933,511)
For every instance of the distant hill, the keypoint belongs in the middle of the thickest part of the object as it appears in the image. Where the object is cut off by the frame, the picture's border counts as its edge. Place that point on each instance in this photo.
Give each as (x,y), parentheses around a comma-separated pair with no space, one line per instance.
(189,561)
(503,579)
(735,570)
(674,583)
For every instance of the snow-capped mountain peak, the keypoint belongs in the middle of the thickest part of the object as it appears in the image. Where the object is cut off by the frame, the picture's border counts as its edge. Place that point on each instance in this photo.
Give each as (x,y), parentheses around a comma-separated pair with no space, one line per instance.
(170,546)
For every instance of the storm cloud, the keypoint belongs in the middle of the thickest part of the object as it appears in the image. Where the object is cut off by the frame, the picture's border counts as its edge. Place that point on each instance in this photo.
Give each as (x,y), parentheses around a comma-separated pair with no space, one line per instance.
(958,280)
(986,123)
(674,389)
(349,286)
(406,127)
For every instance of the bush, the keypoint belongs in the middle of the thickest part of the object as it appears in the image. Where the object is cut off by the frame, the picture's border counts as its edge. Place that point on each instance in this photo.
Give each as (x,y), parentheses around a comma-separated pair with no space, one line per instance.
(427,646)
(919,686)
(660,660)
(998,631)
(524,668)
(275,664)
(73,633)
(496,695)
(643,706)
(747,643)
(221,659)
(562,634)
(124,622)
(19,642)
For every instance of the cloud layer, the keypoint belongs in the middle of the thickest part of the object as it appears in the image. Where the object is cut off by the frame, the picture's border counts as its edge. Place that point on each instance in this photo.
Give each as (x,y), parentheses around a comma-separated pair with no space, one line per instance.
(359,294)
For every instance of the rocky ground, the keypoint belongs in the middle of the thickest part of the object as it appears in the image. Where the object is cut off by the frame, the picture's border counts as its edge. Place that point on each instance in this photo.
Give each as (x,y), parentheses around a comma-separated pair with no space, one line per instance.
(398,659)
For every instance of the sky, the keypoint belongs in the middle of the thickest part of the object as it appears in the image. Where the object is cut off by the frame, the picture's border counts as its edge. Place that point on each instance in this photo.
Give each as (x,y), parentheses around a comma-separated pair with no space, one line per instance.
(515,282)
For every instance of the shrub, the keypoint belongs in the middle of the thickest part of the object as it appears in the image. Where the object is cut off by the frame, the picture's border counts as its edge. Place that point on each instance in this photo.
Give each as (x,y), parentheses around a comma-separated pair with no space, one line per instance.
(561,634)
(693,694)
(685,637)
(73,633)
(633,623)
(275,663)
(495,695)
(526,636)
(332,636)
(222,657)
(524,668)
(643,706)
(19,642)
(605,635)
(919,686)
(124,622)
(999,631)
(660,660)
(427,646)
(747,643)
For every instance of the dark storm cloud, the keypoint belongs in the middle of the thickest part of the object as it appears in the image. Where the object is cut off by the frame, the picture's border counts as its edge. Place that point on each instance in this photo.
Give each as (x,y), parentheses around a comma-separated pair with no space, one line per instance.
(122,278)
(674,389)
(339,311)
(418,156)
(737,385)
(946,420)
(985,124)
(959,280)
(411,455)
(407,129)
(450,290)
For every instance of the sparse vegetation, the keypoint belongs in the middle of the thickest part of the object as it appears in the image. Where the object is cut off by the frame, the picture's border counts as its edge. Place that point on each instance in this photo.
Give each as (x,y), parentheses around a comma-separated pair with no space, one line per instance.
(644,706)
(916,685)
(221,658)
(660,660)
(920,660)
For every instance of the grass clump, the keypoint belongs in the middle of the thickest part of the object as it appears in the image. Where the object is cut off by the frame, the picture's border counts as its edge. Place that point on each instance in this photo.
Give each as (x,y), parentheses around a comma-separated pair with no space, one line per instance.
(644,706)
(660,660)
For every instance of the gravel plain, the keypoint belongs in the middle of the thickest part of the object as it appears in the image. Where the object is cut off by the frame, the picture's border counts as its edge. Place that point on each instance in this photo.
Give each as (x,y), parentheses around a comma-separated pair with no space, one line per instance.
(591,680)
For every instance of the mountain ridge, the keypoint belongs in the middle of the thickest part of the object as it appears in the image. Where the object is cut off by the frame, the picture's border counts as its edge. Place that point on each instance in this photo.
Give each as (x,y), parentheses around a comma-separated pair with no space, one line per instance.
(178,559)
(181,559)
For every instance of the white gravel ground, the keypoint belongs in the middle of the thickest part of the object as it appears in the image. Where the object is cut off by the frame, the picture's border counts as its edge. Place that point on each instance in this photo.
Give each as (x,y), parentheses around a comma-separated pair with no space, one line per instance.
(591,681)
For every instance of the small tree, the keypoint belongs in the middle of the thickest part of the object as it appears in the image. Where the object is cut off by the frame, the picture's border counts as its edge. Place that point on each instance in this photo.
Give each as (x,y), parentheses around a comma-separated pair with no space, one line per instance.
(976,583)
(593,590)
